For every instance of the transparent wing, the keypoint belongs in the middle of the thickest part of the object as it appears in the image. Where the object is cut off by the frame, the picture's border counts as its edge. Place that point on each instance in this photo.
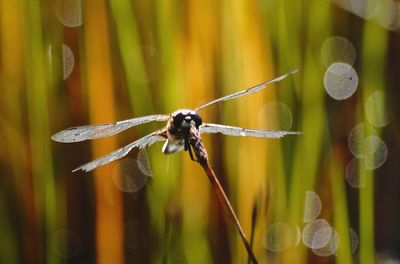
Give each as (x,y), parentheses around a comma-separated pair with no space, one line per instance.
(81,133)
(253,89)
(122,152)
(244,132)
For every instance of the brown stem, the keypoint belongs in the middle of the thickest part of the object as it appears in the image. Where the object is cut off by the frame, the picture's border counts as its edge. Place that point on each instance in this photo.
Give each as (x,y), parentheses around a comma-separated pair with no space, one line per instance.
(202,158)
(225,202)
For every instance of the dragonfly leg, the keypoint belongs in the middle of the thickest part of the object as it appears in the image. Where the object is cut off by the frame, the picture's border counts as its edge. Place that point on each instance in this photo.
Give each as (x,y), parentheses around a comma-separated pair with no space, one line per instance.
(191,154)
(188,147)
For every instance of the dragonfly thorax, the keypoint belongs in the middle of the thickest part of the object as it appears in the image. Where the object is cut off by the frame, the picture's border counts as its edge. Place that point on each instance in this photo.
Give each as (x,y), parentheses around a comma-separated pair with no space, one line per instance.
(178,128)
(185,118)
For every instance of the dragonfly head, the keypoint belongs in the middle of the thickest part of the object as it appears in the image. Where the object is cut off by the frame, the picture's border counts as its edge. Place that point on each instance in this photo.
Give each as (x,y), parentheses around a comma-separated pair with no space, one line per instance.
(186,118)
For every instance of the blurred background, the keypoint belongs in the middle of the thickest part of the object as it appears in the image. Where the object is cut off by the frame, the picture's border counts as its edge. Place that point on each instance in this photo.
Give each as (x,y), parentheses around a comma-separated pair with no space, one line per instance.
(328,196)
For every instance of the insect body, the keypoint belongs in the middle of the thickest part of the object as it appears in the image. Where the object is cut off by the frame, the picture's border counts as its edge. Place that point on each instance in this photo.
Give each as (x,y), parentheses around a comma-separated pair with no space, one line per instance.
(178,127)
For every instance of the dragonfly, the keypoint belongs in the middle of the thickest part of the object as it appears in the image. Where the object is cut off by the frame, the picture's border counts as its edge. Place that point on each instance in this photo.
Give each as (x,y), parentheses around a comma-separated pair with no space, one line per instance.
(182,132)
(172,133)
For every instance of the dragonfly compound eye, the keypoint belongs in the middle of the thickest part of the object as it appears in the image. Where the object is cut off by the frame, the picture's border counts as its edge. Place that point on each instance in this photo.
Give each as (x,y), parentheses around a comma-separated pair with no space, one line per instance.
(196,118)
(178,119)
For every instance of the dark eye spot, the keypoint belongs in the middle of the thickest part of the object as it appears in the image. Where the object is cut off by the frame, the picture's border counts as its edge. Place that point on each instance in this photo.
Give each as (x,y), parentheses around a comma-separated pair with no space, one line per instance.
(196,118)
(177,119)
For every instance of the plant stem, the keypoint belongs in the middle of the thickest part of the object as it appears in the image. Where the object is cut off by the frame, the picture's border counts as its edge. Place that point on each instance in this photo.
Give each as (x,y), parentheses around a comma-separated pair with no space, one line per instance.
(202,159)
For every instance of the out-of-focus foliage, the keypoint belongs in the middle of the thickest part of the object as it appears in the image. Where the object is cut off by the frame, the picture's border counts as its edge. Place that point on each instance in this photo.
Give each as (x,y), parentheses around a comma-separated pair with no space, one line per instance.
(328,195)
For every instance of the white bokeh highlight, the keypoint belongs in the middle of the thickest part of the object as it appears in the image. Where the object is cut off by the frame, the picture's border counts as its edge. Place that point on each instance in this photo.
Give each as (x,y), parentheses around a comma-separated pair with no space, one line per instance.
(330,248)
(356,139)
(375,109)
(68,61)
(275,115)
(354,240)
(143,162)
(312,206)
(376,152)
(279,237)
(127,177)
(340,81)
(337,49)
(316,234)
(69,12)
(353,176)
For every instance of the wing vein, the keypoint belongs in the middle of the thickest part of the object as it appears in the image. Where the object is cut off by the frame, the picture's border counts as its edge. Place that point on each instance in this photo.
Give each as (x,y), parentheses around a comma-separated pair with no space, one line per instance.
(81,133)
(253,89)
(244,132)
(122,152)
